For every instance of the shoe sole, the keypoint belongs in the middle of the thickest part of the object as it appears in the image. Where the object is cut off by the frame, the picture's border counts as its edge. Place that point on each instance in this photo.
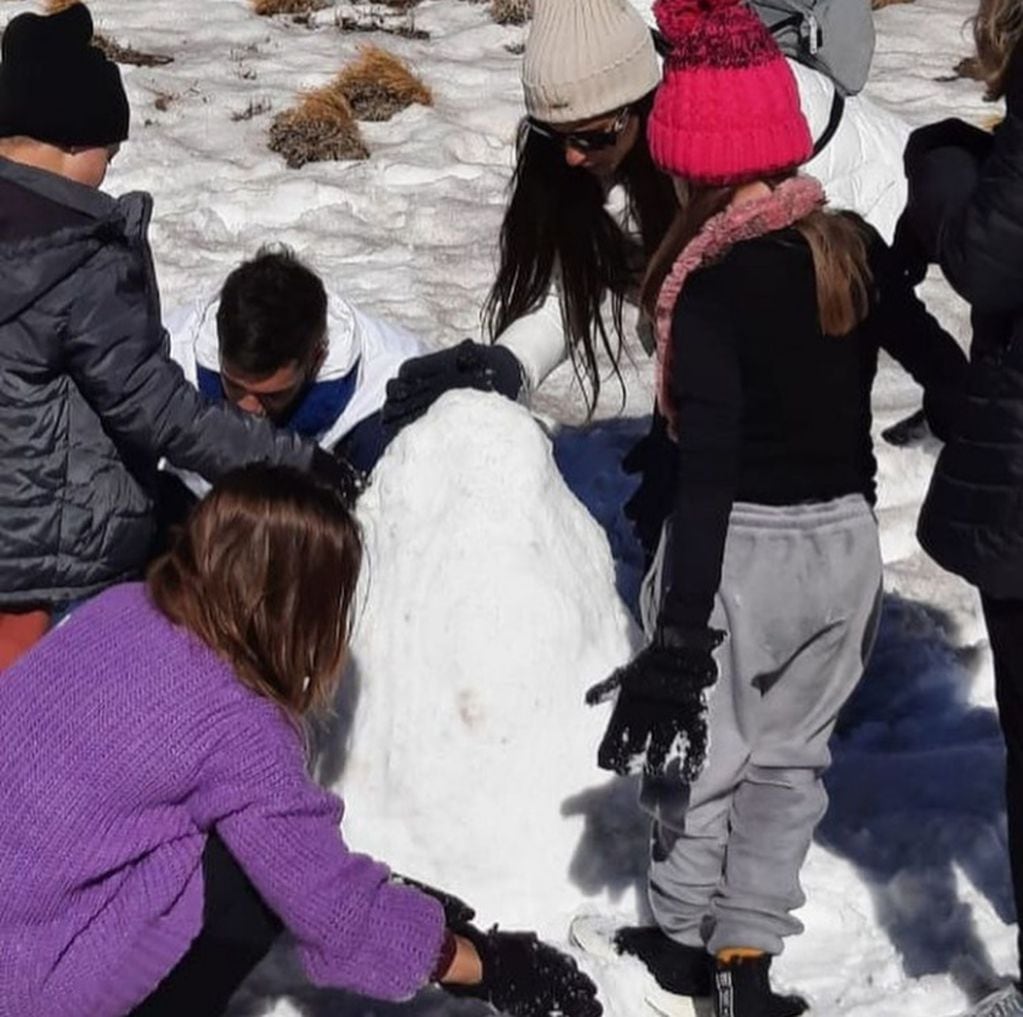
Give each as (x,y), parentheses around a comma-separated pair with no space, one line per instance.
(594,936)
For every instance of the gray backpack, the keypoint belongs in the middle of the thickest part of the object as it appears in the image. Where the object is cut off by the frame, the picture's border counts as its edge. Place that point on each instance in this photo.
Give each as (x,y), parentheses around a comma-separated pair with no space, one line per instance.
(835,37)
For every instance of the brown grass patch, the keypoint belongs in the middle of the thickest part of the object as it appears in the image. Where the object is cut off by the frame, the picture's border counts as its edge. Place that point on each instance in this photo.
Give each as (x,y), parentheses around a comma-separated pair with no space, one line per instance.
(128,54)
(268,8)
(320,129)
(511,12)
(377,85)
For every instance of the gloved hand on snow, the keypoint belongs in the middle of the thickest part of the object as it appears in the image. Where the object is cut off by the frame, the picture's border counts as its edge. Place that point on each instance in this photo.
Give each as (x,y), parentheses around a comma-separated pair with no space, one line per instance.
(421,381)
(523,977)
(660,716)
(337,472)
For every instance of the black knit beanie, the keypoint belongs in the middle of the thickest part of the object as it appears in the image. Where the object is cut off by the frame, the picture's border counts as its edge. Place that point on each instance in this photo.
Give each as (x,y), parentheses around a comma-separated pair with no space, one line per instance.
(55,86)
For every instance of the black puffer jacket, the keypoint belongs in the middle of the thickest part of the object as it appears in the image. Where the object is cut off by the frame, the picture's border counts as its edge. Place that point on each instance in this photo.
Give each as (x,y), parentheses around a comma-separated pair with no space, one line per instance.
(966,213)
(89,399)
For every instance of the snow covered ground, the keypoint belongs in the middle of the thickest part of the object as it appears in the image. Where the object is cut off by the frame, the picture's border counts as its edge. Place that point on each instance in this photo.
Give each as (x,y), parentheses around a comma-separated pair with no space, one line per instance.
(909,898)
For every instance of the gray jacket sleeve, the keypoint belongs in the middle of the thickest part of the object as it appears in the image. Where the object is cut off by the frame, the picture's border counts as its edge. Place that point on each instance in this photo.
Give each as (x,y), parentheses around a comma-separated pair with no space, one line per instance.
(117,355)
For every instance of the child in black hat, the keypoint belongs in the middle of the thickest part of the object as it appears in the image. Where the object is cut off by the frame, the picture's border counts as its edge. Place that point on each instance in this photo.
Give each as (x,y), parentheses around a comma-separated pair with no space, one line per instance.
(89,399)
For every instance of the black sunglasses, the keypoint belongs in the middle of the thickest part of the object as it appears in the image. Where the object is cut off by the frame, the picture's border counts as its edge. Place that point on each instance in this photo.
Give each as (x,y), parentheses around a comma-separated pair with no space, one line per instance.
(584,141)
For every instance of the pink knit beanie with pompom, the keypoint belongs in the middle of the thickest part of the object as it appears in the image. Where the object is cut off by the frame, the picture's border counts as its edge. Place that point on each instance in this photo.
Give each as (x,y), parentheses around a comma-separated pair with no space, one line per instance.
(728,108)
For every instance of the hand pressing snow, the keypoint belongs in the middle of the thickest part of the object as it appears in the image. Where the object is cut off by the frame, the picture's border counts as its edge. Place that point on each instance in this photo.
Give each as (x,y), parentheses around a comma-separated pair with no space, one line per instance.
(524,977)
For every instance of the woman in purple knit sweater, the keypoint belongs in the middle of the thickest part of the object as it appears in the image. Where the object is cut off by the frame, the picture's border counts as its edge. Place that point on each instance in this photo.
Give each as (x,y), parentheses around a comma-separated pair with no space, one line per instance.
(158,826)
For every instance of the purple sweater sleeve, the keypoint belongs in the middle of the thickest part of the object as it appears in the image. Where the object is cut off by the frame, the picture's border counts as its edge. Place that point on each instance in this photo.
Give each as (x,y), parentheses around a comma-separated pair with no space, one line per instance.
(354,928)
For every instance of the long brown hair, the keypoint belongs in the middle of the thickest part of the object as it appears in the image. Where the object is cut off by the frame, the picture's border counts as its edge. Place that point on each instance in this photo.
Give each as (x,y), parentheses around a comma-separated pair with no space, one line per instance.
(557,222)
(836,241)
(997,31)
(264,572)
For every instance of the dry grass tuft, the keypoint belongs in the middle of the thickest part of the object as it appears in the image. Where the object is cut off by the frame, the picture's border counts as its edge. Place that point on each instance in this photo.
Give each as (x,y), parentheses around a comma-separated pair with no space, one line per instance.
(267,8)
(56,6)
(320,129)
(969,67)
(378,85)
(128,54)
(511,12)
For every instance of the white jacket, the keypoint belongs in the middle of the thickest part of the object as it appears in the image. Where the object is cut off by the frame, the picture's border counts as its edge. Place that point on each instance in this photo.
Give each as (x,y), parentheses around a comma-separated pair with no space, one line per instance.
(860,168)
(354,338)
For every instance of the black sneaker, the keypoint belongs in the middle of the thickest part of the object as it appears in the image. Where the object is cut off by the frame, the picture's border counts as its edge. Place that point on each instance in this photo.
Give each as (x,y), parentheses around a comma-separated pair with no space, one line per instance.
(742,988)
(678,978)
(677,968)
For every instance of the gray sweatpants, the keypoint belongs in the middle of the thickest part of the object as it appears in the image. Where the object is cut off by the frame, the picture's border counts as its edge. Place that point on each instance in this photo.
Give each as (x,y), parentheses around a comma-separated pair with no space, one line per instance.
(799,599)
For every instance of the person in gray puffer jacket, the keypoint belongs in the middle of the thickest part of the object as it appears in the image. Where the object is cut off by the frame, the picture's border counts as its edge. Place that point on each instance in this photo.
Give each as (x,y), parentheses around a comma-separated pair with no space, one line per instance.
(90,400)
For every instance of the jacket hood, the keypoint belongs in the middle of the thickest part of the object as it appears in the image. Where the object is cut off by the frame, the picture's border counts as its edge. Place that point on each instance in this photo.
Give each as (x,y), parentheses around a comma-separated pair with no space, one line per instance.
(31,265)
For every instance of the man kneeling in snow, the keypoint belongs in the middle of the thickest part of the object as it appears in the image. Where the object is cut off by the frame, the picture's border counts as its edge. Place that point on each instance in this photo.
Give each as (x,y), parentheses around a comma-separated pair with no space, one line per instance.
(276,345)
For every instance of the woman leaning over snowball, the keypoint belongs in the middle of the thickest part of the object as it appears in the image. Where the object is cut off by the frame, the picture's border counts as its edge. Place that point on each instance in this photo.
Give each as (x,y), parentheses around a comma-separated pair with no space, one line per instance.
(589,207)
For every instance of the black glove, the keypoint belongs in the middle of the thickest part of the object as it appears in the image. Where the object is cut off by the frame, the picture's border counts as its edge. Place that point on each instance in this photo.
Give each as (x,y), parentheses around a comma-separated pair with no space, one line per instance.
(911,430)
(660,715)
(909,257)
(943,163)
(457,914)
(421,381)
(339,474)
(523,977)
(949,133)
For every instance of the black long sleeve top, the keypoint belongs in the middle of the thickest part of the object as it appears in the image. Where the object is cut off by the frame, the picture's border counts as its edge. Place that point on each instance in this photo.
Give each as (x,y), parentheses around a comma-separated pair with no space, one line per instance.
(772,411)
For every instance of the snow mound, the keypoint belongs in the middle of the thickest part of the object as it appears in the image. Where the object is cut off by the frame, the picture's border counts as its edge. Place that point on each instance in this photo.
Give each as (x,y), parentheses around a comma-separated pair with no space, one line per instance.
(488,607)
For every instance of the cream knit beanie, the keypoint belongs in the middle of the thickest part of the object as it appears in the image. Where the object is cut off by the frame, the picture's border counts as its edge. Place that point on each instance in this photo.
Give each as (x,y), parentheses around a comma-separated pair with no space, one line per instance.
(586,57)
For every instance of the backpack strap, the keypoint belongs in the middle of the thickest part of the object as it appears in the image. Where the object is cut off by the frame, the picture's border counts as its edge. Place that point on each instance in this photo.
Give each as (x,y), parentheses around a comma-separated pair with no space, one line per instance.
(834,120)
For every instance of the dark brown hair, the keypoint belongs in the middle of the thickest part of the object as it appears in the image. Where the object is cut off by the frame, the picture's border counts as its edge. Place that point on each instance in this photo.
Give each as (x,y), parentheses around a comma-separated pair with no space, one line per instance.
(264,572)
(836,241)
(557,222)
(273,312)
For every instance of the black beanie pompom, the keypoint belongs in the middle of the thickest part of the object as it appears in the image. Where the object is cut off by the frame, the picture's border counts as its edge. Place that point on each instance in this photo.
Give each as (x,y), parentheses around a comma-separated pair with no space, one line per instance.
(55,86)
(31,36)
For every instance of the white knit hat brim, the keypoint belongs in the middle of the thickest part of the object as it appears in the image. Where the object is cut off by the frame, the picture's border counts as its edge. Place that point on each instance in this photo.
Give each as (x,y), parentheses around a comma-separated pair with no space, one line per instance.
(586,57)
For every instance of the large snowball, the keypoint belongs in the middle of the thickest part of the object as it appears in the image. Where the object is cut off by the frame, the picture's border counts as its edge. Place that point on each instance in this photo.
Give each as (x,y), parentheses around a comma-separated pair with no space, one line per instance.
(488,608)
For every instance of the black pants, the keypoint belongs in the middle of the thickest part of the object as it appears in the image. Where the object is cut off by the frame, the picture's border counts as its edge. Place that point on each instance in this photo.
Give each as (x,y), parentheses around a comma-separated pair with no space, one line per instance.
(1004,620)
(238,929)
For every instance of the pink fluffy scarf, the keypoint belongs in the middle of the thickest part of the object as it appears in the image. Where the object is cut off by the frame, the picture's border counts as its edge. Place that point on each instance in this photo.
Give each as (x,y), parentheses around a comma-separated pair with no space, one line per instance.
(789,202)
